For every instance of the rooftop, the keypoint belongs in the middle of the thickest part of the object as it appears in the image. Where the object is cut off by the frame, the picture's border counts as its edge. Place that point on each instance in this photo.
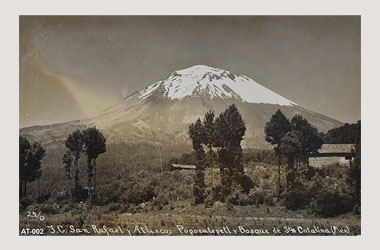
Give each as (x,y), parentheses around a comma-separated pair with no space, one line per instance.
(336,148)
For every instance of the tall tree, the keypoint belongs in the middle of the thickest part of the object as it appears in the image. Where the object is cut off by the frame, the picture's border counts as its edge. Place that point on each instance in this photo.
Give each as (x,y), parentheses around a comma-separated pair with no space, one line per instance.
(37,152)
(30,157)
(309,137)
(74,143)
(24,147)
(209,129)
(197,136)
(230,129)
(275,129)
(94,145)
(209,139)
(67,162)
(290,148)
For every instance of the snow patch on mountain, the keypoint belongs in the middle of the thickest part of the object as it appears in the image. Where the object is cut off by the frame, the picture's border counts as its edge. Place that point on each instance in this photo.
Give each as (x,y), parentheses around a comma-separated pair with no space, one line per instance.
(201,80)
(148,90)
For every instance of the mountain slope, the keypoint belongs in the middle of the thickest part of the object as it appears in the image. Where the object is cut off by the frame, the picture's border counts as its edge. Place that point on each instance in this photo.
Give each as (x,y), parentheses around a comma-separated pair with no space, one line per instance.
(164,110)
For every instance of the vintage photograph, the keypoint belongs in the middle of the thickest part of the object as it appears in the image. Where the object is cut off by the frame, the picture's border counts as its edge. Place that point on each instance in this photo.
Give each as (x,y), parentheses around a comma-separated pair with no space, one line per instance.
(189,125)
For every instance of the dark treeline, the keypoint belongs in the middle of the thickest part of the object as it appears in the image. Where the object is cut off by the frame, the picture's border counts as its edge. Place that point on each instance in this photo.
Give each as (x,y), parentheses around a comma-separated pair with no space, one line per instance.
(346,134)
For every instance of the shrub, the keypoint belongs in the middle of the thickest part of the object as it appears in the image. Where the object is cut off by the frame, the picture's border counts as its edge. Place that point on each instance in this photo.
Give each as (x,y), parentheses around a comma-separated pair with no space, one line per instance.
(48,209)
(25,202)
(330,204)
(246,183)
(260,197)
(209,201)
(236,194)
(62,198)
(108,194)
(217,193)
(159,202)
(82,194)
(43,198)
(243,200)
(257,198)
(139,193)
(115,207)
(298,197)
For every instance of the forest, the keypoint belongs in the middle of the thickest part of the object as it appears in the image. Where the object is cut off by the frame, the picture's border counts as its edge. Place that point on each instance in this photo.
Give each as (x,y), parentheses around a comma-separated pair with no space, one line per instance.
(125,184)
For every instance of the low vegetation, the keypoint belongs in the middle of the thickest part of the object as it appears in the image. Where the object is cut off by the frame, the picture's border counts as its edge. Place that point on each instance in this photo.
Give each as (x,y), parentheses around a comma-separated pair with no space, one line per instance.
(230,186)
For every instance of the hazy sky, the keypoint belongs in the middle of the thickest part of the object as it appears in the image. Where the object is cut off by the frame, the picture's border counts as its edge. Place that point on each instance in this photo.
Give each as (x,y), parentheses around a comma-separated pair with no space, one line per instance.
(74,67)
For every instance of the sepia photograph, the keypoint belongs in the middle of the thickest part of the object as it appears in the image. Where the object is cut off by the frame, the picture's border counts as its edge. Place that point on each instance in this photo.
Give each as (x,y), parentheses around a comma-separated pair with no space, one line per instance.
(190,125)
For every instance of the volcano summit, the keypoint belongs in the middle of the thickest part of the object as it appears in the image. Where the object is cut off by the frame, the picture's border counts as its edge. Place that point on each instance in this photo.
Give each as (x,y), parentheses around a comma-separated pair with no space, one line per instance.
(205,81)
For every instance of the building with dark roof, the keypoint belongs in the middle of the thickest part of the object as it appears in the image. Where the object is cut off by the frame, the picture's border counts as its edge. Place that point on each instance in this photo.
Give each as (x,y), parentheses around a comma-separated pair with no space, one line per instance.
(332,153)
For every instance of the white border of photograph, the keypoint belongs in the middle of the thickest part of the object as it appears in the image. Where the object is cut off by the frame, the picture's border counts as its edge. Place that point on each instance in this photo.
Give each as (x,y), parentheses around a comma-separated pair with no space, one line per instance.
(10,113)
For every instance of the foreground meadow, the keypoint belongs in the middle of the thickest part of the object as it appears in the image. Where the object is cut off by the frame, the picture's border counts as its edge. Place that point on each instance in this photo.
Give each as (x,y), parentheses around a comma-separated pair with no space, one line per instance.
(150,203)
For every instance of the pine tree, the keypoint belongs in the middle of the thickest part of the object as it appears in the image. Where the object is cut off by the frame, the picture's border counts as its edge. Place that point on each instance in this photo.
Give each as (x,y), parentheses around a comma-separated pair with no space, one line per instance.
(37,153)
(94,145)
(30,157)
(226,133)
(24,147)
(290,148)
(230,129)
(209,140)
(74,143)
(275,130)
(199,182)
(197,136)
(209,129)
(67,161)
(309,137)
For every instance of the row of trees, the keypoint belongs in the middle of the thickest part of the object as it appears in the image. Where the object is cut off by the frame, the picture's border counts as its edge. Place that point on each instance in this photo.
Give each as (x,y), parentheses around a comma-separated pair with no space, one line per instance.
(91,142)
(223,134)
(348,133)
(293,140)
(30,156)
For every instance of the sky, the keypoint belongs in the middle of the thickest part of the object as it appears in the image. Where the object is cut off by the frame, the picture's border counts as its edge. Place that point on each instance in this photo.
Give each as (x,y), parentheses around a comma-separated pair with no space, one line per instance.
(73,67)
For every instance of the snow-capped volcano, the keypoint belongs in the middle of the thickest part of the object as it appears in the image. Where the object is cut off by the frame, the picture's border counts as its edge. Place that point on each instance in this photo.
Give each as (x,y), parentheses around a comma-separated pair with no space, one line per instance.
(205,81)
(164,110)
